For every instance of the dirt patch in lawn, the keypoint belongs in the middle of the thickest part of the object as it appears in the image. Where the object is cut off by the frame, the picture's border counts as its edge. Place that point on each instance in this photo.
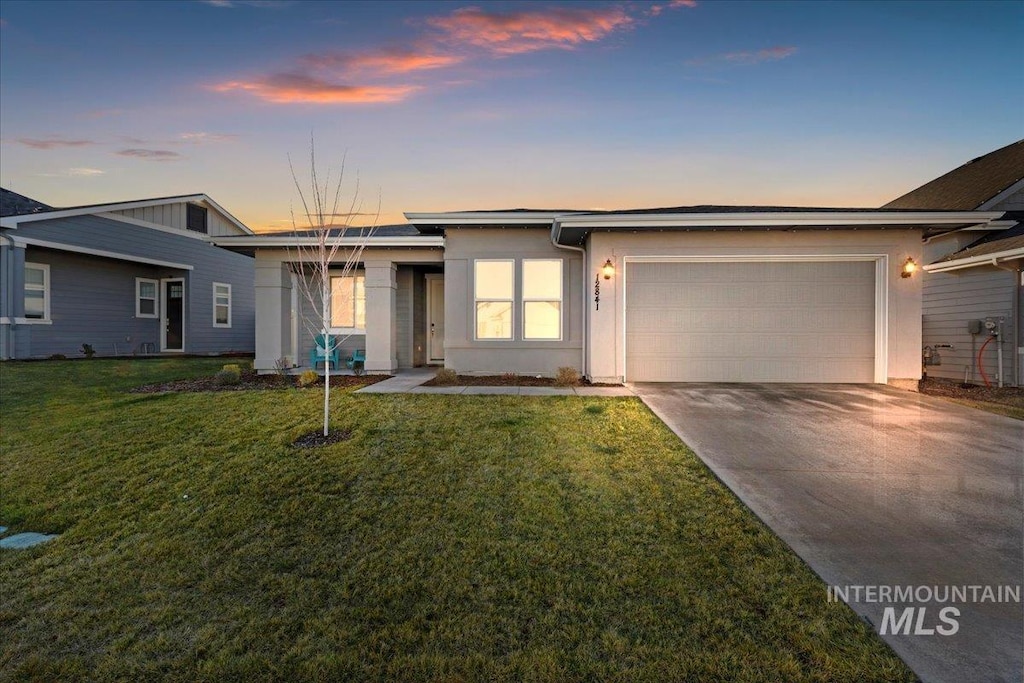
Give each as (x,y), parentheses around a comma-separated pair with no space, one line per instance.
(1009,399)
(510,381)
(317,438)
(251,381)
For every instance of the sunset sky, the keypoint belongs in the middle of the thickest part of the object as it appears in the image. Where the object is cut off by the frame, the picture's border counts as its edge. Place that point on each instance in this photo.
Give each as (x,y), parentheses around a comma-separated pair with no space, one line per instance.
(445,106)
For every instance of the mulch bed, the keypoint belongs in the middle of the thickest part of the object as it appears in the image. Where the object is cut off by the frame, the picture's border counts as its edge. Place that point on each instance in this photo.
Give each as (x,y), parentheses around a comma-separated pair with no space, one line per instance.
(1010,396)
(252,381)
(509,381)
(317,438)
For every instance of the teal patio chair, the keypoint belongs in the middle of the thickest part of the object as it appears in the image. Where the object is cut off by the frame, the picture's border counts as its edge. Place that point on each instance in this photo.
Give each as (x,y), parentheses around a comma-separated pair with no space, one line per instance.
(321,354)
(357,358)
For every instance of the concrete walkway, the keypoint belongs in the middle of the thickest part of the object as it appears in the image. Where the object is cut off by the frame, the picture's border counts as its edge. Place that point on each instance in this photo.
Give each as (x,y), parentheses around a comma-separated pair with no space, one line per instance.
(410,382)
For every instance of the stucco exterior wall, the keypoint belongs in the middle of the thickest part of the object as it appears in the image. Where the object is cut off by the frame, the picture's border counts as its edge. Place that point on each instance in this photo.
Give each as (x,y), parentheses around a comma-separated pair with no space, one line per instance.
(902,320)
(465,354)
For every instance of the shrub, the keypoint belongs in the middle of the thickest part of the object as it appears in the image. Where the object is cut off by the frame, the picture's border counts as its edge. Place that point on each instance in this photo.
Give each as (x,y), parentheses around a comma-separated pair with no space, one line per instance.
(509,377)
(446,376)
(308,378)
(58,356)
(229,374)
(88,350)
(233,367)
(567,377)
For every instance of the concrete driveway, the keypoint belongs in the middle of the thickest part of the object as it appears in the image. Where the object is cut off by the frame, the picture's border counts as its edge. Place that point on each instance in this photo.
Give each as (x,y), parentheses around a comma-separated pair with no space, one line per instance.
(873,486)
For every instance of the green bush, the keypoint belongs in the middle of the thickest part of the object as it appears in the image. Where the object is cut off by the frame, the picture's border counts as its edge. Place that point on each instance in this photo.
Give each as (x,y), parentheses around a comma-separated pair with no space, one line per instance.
(88,350)
(446,376)
(229,374)
(567,377)
(308,378)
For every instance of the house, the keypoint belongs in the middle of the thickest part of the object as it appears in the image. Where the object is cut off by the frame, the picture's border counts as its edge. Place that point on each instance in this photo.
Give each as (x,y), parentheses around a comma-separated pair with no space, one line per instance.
(689,294)
(973,285)
(135,277)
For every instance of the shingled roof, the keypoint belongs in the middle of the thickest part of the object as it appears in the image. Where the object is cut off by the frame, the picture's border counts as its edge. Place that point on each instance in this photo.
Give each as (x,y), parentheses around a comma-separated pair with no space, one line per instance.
(14,204)
(968,187)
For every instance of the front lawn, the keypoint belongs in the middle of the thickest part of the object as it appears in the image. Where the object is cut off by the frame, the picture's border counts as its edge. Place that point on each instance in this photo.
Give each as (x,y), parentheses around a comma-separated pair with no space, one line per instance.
(452,538)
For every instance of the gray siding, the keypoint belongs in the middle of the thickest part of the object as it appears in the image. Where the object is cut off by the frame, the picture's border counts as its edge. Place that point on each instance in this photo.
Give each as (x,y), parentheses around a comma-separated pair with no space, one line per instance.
(1015,202)
(175,216)
(92,305)
(953,299)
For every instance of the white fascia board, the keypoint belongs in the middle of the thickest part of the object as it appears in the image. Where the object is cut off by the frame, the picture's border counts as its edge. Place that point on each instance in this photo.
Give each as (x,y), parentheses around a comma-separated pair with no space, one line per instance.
(484,218)
(779,219)
(275,242)
(1017,186)
(74,248)
(220,209)
(970,262)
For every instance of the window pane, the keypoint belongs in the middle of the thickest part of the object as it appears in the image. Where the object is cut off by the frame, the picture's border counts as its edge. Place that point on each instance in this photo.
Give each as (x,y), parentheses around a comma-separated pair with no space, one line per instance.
(360,303)
(542,279)
(147,290)
(223,299)
(493,279)
(147,306)
(341,302)
(222,315)
(494,320)
(542,320)
(34,276)
(35,305)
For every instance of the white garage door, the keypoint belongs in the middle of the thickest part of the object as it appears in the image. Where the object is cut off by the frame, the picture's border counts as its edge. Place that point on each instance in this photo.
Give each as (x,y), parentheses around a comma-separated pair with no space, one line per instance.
(750,321)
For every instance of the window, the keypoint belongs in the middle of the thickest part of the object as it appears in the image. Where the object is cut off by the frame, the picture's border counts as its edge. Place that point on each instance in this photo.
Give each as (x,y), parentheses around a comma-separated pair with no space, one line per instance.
(145,297)
(542,299)
(37,291)
(221,305)
(494,284)
(348,302)
(196,218)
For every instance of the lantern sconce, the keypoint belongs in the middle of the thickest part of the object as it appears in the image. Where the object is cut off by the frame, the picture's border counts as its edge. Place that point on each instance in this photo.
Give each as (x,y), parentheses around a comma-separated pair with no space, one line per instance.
(608,269)
(909,267)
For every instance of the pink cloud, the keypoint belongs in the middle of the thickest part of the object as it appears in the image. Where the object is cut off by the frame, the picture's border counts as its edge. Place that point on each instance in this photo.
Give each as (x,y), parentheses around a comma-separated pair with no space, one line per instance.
(149,154)
(393,61)
(528,31)
(291,88)
(746,57)
(53,142)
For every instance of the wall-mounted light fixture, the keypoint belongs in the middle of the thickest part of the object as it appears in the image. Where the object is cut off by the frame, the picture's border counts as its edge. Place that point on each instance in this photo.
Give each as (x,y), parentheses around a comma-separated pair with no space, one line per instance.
(909,267)
(608,269)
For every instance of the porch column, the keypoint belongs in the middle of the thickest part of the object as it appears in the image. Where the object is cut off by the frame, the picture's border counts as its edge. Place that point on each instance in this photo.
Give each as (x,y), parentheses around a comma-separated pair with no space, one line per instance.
(12,297)
(381,328)
(273,313)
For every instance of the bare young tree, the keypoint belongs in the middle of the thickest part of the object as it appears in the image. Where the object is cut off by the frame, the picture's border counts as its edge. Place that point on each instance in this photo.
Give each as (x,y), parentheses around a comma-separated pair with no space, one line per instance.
(325,248)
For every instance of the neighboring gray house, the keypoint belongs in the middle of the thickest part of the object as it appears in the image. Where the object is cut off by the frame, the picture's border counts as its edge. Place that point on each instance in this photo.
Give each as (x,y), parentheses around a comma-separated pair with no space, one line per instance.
(704,293)
(136,277)
(973,276)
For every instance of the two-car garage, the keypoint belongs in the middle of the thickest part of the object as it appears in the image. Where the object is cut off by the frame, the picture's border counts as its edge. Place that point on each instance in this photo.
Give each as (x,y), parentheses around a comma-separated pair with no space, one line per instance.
(746,320)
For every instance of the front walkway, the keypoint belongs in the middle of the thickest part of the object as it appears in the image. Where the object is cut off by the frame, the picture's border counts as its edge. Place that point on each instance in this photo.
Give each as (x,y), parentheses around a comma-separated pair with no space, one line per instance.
(410,381)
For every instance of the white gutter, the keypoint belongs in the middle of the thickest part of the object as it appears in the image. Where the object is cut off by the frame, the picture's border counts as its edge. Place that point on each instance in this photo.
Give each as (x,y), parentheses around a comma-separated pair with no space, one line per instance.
(782,219)
(267,242)
(985,259)
(75,249)
(556,230)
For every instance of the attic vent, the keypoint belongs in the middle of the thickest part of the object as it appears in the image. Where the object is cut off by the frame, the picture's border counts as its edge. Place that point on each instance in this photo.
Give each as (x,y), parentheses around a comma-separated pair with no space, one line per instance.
(196,218)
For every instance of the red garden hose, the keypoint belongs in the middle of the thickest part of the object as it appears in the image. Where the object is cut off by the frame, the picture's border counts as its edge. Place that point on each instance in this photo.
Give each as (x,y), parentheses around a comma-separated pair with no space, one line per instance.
(981,367)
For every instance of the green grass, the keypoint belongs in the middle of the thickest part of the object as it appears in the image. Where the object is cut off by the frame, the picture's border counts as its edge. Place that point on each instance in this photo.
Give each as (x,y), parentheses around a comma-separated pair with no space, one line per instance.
(452,539)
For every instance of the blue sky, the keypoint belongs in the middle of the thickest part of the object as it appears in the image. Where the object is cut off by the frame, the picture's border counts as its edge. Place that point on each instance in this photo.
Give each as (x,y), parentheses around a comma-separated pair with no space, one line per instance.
(445,106)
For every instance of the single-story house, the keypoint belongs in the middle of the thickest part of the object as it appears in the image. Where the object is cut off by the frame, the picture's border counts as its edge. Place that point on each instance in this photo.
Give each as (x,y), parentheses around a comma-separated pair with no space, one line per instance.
(973,285)
(134,277)
(686,294)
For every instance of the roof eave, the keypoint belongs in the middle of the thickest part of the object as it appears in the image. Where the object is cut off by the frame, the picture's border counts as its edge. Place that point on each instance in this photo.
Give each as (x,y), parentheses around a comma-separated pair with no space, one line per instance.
(993,259)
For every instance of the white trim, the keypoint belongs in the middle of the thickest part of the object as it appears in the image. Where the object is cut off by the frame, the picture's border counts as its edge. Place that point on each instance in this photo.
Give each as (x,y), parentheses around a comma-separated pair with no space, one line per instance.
(561,299)
(339,274)
(1017,186)
(46,290)
(215,304)
(138,297)
(432,277)
(881,292)
(74,248)
(24,321)
(181,232)
(981,260)
(512,302)
(97,209)
(484,218)
(269,241)
(163,315)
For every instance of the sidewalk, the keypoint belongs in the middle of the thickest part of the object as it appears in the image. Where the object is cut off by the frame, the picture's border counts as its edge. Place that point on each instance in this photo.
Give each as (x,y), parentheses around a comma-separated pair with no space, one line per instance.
(410,381)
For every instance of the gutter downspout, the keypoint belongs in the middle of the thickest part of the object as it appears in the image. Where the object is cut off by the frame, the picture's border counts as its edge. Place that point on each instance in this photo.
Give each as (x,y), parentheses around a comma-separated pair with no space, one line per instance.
(556,231)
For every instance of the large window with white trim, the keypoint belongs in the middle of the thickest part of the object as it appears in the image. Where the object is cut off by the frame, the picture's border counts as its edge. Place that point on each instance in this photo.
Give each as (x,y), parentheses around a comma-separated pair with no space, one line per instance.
(542,299)
(493,294)
(145,297)
(37,291)
(221,304)
(348,302)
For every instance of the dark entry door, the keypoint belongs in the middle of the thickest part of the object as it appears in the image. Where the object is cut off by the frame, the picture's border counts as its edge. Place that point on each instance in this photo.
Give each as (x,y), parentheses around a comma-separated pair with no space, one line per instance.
(174,315)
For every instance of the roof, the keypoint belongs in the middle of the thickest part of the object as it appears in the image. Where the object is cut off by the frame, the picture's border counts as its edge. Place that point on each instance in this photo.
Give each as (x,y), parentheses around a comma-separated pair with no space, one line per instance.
(970,186)
(1006,245)
(399,230)
(13,204)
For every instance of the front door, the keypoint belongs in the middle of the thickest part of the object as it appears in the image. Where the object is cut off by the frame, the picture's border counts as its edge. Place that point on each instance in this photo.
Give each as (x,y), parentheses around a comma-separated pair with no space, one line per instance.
(173,318)
(435,318)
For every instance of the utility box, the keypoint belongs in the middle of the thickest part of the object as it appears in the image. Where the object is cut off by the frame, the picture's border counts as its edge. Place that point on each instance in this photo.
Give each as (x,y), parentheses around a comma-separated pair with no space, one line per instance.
(994,326)
(974,326)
